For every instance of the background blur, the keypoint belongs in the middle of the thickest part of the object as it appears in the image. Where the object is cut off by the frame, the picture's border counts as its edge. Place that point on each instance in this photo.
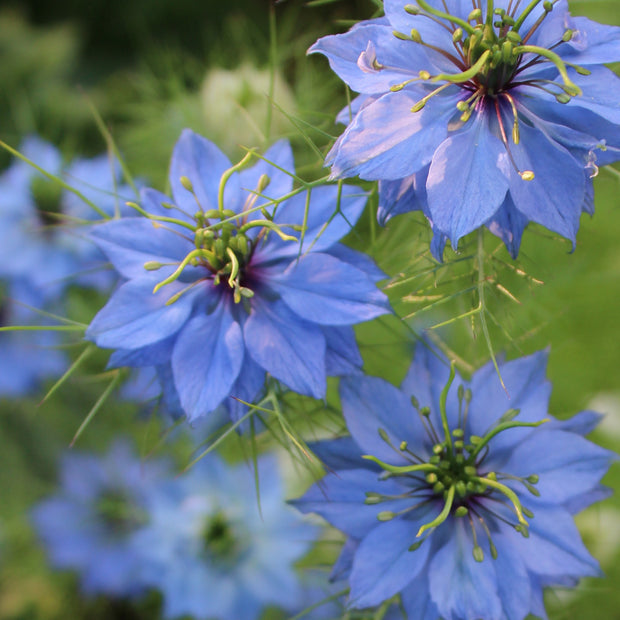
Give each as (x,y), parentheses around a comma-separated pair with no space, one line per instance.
(152,67)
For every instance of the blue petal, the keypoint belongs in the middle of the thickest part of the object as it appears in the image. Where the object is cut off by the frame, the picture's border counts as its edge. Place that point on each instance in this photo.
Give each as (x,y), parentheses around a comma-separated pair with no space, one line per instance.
(339,499)
(383,564)
(508,224)
(351,57)
(581,423)
(554,197)
(342,355)
(130,242)
(206,360)
(135,317)
(280,183)
(329,214)
(341,453)
(356,259)
(387,141)
(554,549)
(460,586)
(203,164)
(417,601)
(324,290)
(592,43)
(467,180)
(288,347)
(150,355)
(371,403)
(566,463)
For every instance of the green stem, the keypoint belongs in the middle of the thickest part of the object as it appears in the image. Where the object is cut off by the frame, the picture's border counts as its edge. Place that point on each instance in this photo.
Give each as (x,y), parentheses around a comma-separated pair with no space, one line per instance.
(401,469)
(498,429)
(226,175)
(442,516)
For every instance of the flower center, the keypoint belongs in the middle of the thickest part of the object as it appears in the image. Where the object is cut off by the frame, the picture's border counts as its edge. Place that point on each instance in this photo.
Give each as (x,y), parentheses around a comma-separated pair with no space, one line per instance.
(220,540)
(119,513)
(224,240)
(456,474)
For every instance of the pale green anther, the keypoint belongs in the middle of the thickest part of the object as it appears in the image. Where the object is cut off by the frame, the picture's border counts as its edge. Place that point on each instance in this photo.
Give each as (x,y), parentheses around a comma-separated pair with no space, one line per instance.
(459,459)
(533,479)
(442,516)
(168,205)
(401,36)
(383,434)
(499,11)
(491,476)
(438,448)
(474,439)
(469,470)
(461,511)
(458,433)
(424,75)
(412,9)
(415,546)
(415,402)
(475,16)
(532,489)
(507,51)
(431,478)
(465,116)
(460,392)
(548,6)
(468,395)
(434,459)
(418,106)
(528,513)
(514,37)
(509,415)
(425,411)
(508,21)
(372,499)
(527,175)
(246,292)
(403,446)
(457,35)
(523,530)
(415,36)
(478,554)
(461,488)
(187,184)
(438,487)
(568,35)
(516,134)
(493,550)
(263,182)
(152,265)
(386,515)
(458,444)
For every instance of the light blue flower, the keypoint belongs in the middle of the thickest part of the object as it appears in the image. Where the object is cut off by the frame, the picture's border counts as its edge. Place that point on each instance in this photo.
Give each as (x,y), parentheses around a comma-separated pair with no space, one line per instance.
(90,525)
(213,554)
(479,117)
(457,496)
(220,288)
(26,357)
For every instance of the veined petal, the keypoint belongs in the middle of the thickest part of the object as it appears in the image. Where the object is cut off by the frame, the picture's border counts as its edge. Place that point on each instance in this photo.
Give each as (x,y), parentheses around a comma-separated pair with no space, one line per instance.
(467,180)
(342,355)
(325,290)
(383,564)
(460,586)
(206,360)
(287,346)
(135,316)
(130,242)
(203,164)
(386,140)
(329,213)
(555,196)
(592,43)
(370,59)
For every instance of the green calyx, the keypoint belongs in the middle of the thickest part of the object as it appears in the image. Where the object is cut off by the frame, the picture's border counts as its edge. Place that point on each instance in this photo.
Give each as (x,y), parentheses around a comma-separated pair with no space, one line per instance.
(120,515)
(455,471)
(220,541)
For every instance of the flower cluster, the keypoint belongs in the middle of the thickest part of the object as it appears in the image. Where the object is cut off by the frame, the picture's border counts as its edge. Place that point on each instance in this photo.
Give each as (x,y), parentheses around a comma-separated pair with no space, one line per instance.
(456,496)
(128,526)
(493,113)
(238,276)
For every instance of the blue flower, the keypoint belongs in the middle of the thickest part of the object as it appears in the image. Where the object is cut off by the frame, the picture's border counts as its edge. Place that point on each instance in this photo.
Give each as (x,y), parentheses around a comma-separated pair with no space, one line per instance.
(26,357)
(221,290)
(494,118)
(457,496)
(40,240)
(90,526)
(213,554)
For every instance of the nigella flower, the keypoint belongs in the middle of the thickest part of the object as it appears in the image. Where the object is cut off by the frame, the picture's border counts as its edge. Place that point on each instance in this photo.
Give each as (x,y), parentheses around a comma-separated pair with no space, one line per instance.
(223,287)
(26,357)
(213,554)
(489,113)
(90,525)
(456,496)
